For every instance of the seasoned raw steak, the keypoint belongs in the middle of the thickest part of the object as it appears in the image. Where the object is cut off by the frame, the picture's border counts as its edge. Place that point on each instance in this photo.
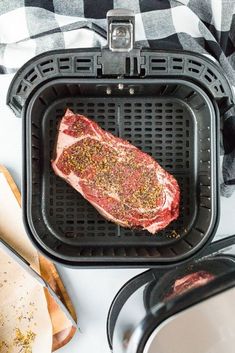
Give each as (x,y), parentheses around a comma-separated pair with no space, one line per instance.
(188,282)
(125,185)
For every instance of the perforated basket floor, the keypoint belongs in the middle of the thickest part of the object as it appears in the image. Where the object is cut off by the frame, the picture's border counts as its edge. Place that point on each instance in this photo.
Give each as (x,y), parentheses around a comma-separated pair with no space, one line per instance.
(161,127)
(173,122)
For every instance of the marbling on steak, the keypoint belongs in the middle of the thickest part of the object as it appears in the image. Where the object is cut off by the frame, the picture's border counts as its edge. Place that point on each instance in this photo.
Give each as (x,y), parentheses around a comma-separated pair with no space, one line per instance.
(125,185)
(190,281)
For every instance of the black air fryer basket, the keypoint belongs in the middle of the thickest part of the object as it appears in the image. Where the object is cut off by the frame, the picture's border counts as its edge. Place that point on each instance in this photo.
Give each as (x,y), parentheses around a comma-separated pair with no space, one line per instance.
(166,103)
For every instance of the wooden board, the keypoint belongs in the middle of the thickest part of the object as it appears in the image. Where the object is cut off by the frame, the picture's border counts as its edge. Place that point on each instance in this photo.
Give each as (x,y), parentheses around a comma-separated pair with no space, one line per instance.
(63,331)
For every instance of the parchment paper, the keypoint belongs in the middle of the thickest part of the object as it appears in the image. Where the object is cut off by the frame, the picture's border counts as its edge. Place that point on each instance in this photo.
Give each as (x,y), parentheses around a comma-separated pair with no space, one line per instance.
(25,325)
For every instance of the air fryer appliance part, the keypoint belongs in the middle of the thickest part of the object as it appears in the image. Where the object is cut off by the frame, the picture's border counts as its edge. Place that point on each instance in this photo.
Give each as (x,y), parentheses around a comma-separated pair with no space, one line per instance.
(206,327)
(157,291)
(166,103)
(140,306)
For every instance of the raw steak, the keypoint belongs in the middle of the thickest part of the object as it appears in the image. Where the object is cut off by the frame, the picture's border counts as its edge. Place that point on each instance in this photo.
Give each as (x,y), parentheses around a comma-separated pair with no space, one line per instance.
(193,280)
(124,184)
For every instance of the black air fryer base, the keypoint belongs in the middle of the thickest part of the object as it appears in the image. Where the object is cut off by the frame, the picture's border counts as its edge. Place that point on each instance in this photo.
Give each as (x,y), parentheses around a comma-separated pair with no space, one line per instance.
(183,117)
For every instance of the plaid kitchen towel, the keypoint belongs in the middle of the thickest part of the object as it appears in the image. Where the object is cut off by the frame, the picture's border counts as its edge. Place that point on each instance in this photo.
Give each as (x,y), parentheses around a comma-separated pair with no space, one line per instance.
(30,27)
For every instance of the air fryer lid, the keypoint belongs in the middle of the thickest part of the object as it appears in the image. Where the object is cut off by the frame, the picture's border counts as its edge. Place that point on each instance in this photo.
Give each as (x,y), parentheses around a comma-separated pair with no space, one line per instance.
(205,327)
(142,304)
(202,318)
(201,270)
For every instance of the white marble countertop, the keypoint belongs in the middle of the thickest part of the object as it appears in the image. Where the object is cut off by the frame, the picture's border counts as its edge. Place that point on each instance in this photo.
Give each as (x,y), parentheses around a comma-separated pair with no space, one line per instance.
(91,291)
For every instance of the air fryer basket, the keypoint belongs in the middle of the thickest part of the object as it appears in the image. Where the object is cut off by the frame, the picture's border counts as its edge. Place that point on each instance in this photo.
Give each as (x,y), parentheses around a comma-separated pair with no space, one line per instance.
(172,115)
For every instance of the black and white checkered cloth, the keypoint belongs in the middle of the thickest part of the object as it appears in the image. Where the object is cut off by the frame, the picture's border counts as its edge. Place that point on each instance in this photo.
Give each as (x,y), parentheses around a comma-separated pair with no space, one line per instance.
(30,27)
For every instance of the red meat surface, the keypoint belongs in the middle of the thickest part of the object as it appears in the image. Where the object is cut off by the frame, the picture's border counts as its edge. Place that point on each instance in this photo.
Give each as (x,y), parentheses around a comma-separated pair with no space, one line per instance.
(190,281)
(124,184)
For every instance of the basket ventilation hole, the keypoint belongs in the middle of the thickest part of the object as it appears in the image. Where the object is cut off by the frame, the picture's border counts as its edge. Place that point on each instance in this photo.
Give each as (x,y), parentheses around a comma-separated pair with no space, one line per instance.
(191,69)
(47,66)
(83,64)
(156,60)
(195,63)
(64,63)
(210,76)
(221,88)
(19,89)
(132,64)
(179,60)
(128,65)
(158,64)
(31,76)
(177,67)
